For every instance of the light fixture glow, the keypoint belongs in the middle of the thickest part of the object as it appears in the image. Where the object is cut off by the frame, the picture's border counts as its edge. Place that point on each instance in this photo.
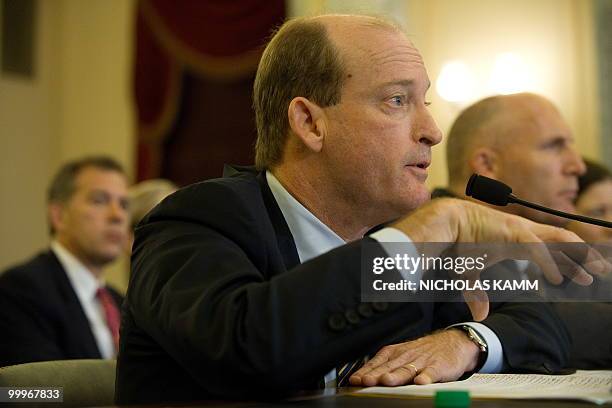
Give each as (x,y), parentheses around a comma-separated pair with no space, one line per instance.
(455,82)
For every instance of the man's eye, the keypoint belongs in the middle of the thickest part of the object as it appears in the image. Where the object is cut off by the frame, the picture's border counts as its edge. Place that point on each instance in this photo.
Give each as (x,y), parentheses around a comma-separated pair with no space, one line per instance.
(99,199)
(125,204)
(556,144)
(398,100)
(427,103)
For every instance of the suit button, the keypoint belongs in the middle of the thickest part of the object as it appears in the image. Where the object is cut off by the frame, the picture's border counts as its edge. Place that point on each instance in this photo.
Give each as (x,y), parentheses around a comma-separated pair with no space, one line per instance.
(352,317)
(365,310)
(337,322)
(380,306)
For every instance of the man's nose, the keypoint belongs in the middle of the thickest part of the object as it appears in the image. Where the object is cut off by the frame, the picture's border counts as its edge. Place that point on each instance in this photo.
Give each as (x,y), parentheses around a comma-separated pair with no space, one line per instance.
(427,131)
(117,213)
(575,165)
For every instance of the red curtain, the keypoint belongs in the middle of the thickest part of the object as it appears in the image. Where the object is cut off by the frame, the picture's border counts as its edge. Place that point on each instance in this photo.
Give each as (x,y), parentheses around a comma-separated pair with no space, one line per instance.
(193,75)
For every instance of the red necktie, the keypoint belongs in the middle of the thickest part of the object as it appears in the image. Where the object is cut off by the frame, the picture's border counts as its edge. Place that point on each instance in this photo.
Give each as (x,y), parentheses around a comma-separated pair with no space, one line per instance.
(111,313)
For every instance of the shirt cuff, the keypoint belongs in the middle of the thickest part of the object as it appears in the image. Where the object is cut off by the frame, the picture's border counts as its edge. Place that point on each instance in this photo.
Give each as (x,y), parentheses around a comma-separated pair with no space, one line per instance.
(495,352)
(390,234)
(389,238)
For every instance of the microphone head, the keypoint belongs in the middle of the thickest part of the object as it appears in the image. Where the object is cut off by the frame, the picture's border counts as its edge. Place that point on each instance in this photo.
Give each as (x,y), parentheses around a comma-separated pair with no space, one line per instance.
(488,190)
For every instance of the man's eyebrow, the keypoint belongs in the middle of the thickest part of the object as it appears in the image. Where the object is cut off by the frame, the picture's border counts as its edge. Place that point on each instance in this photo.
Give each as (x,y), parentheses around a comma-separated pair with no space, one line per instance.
(408,83)
(557,138)
(98,191)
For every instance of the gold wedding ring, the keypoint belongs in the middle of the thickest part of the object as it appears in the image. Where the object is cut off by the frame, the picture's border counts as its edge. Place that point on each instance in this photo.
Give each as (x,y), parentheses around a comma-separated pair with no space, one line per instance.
(416,370)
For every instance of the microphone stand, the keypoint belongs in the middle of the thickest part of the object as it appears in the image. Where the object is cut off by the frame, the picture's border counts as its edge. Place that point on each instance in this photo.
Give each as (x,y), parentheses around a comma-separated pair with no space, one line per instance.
(513,199)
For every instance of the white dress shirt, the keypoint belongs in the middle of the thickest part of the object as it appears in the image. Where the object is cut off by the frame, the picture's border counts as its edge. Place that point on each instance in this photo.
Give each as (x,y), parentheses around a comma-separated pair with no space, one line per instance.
(313,238)
(85,286)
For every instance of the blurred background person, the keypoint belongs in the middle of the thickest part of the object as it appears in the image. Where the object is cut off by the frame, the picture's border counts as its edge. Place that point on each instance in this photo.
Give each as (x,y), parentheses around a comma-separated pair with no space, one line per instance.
(523,141)
(594,200)
(143,197)
(56,305)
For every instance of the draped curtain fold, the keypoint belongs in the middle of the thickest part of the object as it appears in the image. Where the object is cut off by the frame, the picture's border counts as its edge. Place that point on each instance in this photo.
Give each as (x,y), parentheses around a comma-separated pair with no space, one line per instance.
(193,73)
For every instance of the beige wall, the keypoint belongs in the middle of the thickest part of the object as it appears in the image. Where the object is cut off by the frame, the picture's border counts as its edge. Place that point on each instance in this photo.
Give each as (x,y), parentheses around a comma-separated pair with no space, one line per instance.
(78,104)
(95,72)
(28,145)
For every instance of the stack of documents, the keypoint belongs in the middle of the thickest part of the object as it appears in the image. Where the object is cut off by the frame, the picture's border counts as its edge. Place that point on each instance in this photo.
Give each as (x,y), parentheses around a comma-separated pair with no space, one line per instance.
(592,386)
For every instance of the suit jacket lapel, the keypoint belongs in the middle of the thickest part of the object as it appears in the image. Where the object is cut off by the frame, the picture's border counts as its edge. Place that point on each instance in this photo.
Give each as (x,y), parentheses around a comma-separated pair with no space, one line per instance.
(286,244)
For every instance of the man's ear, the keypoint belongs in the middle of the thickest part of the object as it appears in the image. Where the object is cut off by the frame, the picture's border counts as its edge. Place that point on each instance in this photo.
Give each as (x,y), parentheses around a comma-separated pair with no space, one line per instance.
(485,161)
(307,121)
(55,212)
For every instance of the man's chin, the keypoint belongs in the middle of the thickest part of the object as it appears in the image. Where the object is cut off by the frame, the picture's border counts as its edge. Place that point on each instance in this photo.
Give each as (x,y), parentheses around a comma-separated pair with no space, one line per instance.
(107,256)
(422,194)
(416,198)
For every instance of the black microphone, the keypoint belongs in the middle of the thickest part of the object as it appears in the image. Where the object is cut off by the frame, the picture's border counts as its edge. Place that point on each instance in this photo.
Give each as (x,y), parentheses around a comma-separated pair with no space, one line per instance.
(497,193)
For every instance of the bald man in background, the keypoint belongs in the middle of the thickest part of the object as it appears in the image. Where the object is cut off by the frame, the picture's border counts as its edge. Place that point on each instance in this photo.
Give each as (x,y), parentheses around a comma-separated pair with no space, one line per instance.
(523,141)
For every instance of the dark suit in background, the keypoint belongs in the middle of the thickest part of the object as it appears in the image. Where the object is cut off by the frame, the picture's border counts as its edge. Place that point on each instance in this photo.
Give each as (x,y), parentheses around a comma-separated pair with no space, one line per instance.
(41,317)
(218,304)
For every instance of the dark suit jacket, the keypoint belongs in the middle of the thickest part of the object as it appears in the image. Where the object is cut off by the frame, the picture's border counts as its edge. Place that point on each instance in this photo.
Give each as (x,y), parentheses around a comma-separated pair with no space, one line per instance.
(589,325)
(40,314)
(219,306)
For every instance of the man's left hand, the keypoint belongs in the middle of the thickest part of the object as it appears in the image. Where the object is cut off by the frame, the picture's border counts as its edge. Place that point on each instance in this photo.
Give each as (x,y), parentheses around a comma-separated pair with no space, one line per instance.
(438,357)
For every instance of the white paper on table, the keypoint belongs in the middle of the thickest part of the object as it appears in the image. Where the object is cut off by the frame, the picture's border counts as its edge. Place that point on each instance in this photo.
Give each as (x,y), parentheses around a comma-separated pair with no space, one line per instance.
(591,386)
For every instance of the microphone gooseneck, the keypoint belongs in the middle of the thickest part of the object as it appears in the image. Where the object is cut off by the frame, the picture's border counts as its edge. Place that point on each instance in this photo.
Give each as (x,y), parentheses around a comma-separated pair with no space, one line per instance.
(497,193)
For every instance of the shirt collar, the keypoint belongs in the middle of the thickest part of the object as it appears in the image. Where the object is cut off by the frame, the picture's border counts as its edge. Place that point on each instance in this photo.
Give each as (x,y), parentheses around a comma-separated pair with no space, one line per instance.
(82,280)
(312,238)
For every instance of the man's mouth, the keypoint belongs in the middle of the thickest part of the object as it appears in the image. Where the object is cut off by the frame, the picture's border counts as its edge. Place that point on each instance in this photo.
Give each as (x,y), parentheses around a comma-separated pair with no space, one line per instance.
(115,237)
(570,194)
(419,169)
(421,165)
